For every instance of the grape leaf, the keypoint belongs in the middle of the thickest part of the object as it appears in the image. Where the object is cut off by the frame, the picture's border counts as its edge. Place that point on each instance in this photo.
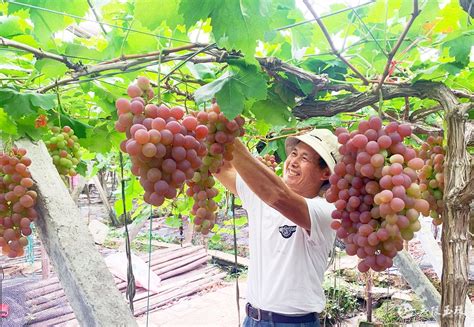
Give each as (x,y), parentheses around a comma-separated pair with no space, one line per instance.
(201,71)
(252,80)
(46,23)
(18,104)
(206,92)
(152,13)
(45,101)
(240,82)
(460,48)
(10,26)
(6,124)
(240,14)
(99,132)
(231,99)
(27,128)
(51,68)
(272,110)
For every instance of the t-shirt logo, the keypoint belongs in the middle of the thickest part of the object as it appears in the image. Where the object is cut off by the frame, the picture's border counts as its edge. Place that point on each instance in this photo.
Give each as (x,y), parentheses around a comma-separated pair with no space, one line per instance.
(286,231)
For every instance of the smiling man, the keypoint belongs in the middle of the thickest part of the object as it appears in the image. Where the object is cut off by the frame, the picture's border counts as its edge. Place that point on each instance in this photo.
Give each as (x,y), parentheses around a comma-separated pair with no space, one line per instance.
(289,228)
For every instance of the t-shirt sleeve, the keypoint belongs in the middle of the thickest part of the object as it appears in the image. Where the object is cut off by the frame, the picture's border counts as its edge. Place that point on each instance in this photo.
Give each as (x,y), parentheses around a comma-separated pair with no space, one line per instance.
(243,191)
(320,215)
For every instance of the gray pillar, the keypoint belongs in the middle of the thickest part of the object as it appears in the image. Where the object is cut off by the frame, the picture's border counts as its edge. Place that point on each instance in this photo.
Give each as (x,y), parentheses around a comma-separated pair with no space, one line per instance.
(88,284)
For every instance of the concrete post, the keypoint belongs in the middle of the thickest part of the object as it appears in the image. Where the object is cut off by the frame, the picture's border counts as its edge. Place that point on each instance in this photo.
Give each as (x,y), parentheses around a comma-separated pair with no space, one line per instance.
(419,283)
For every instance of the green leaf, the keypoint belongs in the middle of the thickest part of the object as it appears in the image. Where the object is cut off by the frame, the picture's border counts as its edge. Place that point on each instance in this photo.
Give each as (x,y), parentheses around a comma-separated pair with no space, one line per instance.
(215,238)
(251,79)
(192,13)
(26,127)
(82,168)
(249,19)
(18,104)
(241,221)
(281,149)
(80,129)
(231,99)
(51,68)
(460,48)
(44,101)
(138,42)
(13,69)
(46,23)
(207,92)
(173,221)
(271,147)
(133,190)
(152,13)
(261,127)
(7,125)
(10,26)
(240,82)
(98,133)
(201,71)
(333,68)
(273,111)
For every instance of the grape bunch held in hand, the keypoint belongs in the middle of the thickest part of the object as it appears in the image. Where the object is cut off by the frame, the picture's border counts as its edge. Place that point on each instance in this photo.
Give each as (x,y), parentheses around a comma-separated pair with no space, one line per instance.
(219,142)
(65,150)
(165,146)
(17,202)
(376,192)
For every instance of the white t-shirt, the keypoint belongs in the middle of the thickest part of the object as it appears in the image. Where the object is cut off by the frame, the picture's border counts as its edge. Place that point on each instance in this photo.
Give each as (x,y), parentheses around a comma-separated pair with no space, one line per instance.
(286,264)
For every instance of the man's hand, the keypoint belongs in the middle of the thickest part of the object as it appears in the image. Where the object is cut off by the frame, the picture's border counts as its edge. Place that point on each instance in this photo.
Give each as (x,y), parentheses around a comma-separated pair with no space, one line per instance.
(226,176)
(269,187)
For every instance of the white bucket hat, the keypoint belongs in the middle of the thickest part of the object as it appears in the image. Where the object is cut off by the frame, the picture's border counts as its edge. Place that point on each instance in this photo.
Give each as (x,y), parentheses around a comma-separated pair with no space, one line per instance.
(323,141)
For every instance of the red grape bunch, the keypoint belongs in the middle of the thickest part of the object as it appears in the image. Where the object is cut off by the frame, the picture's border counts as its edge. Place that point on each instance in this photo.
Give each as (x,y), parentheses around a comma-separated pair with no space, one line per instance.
(269,161)
(165,146)
(222,133)
(17,202)
(432,176)
(376,193)
(65,150)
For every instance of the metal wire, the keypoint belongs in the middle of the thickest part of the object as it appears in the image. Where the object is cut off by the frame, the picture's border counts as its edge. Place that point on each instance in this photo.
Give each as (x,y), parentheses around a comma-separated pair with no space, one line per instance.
(231,212)
(99,22)
(149,265)
(130,277)
(324,16)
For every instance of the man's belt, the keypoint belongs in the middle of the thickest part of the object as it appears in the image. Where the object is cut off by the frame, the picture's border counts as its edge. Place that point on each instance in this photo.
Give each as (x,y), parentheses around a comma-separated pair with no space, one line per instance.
(259,314)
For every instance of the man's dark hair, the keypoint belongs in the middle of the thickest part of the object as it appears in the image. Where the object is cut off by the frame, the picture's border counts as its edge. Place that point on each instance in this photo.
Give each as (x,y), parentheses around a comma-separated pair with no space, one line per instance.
(322,163)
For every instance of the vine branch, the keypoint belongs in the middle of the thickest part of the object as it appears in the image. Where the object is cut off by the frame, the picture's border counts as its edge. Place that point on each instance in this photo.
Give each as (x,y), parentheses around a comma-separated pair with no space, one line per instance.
(422,113)
(96,17)
(312,108)
(462,94)
(466,195)
(38,53)
(331,43)
(392,53)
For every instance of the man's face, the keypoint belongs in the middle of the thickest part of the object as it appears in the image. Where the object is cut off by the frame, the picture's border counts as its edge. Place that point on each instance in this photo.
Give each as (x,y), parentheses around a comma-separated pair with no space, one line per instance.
(301,170)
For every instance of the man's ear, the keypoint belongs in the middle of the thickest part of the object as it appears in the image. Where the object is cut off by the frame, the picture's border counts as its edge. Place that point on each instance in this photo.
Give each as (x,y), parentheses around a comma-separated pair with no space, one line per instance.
(326,173)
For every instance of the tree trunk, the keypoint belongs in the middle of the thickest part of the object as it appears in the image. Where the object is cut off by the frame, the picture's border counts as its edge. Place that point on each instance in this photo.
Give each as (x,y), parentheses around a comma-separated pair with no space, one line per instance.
(454,240)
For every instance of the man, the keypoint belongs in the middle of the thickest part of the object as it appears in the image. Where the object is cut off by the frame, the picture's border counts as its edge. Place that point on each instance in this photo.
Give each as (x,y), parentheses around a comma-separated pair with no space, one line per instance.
(289,225)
